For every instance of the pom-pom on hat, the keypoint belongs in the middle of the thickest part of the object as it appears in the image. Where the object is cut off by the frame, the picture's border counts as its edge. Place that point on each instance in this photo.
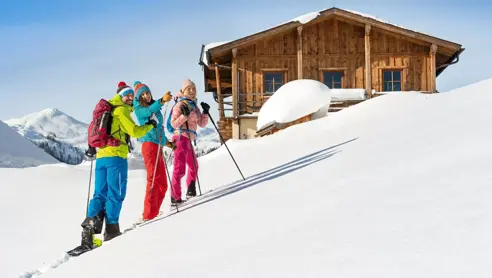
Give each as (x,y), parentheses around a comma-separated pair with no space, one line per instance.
(124,89)
(140,88)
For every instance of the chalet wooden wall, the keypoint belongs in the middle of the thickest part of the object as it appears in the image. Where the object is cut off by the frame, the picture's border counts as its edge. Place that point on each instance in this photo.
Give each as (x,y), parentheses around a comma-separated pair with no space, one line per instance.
(331,45)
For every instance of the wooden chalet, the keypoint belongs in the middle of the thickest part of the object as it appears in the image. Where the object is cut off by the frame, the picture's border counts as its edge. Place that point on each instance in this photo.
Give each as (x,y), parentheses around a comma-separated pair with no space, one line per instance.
(333,46)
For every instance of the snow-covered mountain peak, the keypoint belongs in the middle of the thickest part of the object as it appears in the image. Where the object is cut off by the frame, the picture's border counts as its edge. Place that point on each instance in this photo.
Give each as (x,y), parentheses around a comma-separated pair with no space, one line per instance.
(50,122)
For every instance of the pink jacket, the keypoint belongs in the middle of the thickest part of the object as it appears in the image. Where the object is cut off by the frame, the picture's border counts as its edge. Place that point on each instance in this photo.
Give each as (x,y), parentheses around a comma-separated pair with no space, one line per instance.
(195,119)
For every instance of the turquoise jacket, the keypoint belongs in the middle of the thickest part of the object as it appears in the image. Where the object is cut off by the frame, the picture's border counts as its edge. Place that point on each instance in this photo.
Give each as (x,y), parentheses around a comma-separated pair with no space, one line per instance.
(143,114)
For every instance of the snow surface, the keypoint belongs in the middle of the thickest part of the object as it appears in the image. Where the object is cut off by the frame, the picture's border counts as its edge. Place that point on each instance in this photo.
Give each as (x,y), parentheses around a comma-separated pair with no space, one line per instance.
(347,94)
(396,186)
(294,100)
(18,152)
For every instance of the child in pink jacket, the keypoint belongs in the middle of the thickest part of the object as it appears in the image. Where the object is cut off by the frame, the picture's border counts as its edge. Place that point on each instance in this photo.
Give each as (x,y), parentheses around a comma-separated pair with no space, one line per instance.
(185,119)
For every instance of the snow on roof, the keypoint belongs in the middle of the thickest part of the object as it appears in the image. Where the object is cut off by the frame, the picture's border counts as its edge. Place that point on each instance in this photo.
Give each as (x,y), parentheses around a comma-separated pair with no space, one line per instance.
(204,58)
(292,101)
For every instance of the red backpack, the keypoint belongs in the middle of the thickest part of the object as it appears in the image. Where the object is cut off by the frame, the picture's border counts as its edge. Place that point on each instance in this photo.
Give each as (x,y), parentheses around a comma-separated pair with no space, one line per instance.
(99,134)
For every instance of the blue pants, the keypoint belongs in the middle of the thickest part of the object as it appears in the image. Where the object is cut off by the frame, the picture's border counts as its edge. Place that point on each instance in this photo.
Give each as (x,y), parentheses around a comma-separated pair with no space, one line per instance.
(110,188)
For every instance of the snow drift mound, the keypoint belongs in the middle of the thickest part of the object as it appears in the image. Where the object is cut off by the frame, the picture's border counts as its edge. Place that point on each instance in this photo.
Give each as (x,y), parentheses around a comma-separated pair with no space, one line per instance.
(295,100)
(18,152)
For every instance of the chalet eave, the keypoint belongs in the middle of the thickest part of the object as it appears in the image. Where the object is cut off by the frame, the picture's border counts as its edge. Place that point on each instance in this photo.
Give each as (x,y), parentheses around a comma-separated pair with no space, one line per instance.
(450,48)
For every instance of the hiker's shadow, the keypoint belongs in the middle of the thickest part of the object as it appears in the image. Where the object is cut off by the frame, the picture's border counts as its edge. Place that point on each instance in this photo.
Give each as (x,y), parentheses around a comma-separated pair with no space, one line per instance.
(265,176)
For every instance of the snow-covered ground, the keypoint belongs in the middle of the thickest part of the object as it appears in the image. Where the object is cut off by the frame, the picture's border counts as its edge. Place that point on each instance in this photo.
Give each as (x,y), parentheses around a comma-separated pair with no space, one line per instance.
(397,186)
(18,152)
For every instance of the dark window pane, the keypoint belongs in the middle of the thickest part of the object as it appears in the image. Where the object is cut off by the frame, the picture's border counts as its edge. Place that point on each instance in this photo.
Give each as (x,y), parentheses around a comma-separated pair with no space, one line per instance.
(273,81)
(387,87)
(396,86)
(337,77)
(396,75)
(333,79)
(387,76)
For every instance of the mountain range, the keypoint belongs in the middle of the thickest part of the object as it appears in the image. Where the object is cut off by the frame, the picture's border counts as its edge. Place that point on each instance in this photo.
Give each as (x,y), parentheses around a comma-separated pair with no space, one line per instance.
(65,138)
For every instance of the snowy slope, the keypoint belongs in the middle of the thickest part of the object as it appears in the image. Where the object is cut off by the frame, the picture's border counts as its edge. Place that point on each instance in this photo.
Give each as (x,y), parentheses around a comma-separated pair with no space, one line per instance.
(397,186)
(59,134)
(18,152)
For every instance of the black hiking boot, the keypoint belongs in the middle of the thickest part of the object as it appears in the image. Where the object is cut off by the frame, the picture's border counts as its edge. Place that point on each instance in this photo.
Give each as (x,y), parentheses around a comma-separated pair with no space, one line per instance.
(175,202)
(89,227)
(191,190)
(112,231)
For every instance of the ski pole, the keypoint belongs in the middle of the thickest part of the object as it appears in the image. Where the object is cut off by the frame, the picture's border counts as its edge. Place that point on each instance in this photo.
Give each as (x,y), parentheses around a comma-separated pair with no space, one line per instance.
(89,190)
(168,177)
(158,150)
(195,158)
(223,141)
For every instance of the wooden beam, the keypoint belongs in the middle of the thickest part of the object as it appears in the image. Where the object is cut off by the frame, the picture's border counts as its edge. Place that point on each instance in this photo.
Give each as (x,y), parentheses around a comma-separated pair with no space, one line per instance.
(368,66)
(234,73)
(223,84)
(396,29)
(219,94)
(433,50)
(299,52)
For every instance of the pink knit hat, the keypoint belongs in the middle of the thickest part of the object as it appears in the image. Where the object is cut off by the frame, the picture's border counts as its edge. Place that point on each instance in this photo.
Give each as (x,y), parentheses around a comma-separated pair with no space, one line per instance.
(186,84)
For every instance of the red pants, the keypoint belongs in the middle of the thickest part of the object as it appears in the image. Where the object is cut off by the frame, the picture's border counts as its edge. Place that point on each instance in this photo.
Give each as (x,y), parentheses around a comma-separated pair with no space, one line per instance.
(155,193)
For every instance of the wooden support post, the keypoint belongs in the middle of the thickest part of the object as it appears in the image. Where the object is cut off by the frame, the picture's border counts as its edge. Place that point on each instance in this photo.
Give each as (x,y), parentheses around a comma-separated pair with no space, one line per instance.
(235,95)
(433,50)
(219,93)
(368,67)
(299,52)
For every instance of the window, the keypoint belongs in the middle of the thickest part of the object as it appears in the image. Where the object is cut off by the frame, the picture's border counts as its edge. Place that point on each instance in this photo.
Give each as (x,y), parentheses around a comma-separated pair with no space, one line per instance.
(391,80)
(273,81)
(333,79)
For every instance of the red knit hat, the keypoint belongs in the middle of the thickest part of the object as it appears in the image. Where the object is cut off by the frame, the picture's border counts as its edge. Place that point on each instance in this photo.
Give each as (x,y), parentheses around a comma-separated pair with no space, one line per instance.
(121,84)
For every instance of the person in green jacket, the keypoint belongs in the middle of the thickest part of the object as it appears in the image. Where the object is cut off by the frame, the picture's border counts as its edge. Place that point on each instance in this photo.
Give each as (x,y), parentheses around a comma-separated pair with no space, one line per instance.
(112,169)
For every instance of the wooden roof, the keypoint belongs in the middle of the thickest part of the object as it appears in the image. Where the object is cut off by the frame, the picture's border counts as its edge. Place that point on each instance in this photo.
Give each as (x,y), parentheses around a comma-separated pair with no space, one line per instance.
(445,47)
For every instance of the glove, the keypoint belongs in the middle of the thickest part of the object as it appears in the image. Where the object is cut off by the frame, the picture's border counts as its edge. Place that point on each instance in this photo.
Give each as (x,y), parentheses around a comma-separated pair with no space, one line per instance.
(205,107)
(151,122)
(185,110)
(171,145)
(91,152)
(167,97)
(154,117)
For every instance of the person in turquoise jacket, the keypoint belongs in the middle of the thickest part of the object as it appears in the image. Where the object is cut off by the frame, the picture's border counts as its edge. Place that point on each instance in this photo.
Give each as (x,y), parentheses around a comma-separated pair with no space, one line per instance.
(111,170)
(147,108)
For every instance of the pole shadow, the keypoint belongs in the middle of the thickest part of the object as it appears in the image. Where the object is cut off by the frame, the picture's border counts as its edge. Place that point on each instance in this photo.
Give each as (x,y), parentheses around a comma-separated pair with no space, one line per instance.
(267,175)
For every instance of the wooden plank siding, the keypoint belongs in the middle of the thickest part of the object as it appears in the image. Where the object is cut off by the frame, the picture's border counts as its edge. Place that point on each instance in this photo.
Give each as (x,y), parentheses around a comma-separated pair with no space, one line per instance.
(331,45)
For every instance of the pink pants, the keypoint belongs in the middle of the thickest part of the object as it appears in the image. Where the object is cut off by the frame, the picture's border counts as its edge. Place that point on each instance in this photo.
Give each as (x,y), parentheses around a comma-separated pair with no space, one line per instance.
(184,155)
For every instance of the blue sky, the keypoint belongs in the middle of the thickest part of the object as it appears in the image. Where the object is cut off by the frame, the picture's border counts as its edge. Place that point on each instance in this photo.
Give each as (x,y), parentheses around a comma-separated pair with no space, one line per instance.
(68,54)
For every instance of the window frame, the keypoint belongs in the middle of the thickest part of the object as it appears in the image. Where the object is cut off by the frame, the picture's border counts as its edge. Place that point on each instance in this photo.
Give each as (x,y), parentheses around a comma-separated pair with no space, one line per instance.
(264,72)
(391,69)
(342,81)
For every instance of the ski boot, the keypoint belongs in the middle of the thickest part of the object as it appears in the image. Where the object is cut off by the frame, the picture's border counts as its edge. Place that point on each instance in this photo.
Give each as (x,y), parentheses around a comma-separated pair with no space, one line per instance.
(175,202)
(191,190)
(112,231)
